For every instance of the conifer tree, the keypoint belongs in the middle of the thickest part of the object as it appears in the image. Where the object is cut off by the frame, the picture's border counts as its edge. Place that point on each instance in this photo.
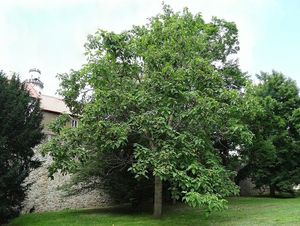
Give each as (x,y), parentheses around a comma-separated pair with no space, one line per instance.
(20,131)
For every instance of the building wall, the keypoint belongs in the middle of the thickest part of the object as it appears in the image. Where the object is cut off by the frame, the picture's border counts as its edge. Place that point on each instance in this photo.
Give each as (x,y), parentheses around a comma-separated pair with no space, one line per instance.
(48,117)
(46,194)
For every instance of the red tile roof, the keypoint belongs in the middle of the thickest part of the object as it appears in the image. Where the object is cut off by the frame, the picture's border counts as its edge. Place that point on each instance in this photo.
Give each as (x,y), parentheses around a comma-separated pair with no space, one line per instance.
(53,104)
(48,103)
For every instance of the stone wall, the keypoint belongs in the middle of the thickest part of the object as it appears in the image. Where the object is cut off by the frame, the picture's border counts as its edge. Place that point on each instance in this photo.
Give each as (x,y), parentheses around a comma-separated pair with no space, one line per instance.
(247,188)
(45,194)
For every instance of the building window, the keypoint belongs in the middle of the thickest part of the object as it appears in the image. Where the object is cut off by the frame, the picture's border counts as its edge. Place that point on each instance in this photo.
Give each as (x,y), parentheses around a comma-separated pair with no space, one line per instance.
(74,123)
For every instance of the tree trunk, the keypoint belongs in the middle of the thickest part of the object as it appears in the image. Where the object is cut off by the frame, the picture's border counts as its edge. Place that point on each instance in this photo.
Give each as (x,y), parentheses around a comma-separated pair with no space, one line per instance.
(272,191)
(157,198)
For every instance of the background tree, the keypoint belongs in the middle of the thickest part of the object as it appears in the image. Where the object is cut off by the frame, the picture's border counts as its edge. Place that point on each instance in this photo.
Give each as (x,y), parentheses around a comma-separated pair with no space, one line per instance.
(20,131)
(166,90)
(273,159)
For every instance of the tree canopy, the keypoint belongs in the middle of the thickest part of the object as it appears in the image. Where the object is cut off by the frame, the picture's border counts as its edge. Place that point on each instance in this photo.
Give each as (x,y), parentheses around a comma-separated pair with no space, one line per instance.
(20,131)
(273,159)
(164,93)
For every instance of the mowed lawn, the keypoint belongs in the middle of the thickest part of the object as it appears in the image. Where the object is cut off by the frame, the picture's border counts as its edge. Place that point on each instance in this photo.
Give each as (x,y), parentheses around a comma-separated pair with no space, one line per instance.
(241,211)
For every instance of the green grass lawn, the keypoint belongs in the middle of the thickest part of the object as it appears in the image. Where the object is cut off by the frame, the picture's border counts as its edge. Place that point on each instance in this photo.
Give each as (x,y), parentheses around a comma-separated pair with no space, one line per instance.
(241,211)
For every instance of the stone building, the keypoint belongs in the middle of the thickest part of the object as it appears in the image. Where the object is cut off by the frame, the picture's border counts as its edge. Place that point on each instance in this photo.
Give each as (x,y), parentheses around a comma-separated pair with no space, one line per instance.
(46,194)
(51,106)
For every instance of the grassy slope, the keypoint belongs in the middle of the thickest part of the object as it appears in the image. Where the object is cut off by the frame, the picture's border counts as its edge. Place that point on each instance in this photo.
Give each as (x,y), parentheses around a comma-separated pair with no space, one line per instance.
(242,211)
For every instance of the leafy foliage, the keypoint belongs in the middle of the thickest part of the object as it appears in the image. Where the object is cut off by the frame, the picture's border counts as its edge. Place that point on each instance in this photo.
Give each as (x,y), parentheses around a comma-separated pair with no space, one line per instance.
(20,131)
(273,158)
(161,93)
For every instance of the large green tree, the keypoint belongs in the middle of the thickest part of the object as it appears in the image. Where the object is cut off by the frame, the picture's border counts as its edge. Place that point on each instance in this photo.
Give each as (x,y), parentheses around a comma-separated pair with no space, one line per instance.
(20,131)
(164,93)
(273,159)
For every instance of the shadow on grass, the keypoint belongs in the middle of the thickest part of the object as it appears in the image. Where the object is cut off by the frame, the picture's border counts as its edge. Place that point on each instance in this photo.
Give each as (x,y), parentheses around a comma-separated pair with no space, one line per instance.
(128,210)
(281,195)
(124,209)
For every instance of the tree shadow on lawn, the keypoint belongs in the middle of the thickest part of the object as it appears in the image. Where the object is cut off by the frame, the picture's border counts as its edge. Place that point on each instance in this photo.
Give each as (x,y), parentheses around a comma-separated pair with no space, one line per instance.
(123,209)
(180,211)
(146,207)
(281,195)
(179,214)
(145,210)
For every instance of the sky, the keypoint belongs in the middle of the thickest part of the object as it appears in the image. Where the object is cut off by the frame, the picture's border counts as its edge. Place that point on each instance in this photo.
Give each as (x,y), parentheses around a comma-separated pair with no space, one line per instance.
(50,34)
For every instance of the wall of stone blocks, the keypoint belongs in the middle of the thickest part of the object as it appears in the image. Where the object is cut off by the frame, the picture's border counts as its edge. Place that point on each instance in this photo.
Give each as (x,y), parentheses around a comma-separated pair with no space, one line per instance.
(45,194)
